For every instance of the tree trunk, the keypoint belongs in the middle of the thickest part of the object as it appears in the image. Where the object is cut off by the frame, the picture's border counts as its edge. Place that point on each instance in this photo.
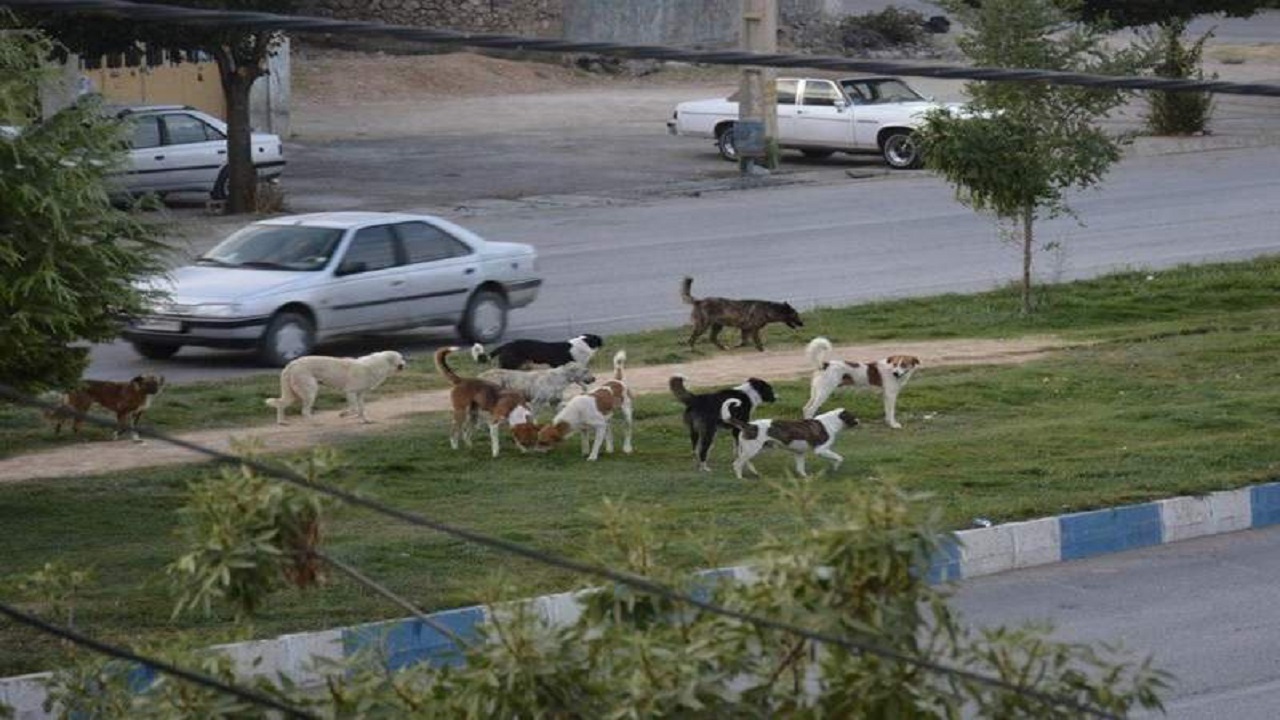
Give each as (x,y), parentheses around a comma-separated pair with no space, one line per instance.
(1028,220)
(242,179)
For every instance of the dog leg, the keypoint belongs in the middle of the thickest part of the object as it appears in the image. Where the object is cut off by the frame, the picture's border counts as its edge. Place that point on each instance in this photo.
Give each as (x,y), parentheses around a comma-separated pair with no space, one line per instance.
(755,335)
(800,465)
(831,455)
(629,417)
(586,441)
(698,328)
(703,450)
(493,437)
(122,424)
(602,433)
(890,407)
(714,337)
(608,437)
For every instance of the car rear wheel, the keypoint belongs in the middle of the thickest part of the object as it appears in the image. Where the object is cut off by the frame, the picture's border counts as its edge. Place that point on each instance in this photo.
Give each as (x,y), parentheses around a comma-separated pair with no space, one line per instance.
(288,336)
(725,144)
(155,351)
(485,319)
(901,151)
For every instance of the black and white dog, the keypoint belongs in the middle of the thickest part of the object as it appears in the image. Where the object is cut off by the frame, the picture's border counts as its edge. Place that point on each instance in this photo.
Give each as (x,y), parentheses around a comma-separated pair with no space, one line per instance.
(702,412)
(518,354)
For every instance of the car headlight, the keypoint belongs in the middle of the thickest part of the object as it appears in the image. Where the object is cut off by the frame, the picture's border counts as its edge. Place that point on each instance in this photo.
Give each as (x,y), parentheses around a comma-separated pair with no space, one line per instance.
(214,310)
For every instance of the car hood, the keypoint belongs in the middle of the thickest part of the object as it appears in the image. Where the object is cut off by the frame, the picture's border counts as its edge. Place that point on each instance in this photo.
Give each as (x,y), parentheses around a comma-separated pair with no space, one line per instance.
(193,284)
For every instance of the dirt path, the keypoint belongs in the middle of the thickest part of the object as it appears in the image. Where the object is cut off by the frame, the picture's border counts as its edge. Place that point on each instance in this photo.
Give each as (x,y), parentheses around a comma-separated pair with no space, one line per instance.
(107,457)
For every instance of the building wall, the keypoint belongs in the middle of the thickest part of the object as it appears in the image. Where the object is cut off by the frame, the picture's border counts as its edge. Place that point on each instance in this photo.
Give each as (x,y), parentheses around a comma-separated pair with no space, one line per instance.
(522,17)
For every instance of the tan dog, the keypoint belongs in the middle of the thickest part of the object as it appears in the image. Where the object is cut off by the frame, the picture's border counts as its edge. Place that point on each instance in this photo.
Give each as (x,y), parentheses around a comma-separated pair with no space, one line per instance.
(301,379)
(889,375)
(471,396)
(594,411)
(128,400)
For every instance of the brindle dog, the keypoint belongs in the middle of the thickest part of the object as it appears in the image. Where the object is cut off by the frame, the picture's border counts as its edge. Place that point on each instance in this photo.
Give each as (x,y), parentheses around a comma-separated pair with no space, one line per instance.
(749,316)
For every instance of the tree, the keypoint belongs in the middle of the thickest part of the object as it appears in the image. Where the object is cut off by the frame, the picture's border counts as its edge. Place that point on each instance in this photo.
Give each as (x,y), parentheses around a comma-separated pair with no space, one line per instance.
(241,53)
(1171,113)
(1023,145)
(68,258)
(856,569)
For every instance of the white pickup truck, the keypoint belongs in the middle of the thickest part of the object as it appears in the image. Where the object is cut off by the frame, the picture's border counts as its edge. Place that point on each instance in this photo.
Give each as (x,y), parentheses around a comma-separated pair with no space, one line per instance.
(820,116)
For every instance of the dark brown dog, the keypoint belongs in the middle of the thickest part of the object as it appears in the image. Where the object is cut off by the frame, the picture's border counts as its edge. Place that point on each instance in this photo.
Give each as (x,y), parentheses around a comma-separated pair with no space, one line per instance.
(128,400)
(749,316)
(471,396)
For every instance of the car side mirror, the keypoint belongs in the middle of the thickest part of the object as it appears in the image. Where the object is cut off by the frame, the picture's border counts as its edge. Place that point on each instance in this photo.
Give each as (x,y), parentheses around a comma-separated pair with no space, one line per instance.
(841,104)
(351,267)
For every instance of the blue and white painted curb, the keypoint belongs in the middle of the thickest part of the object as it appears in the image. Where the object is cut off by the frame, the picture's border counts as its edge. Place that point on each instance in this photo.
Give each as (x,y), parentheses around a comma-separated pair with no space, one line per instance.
(976,552)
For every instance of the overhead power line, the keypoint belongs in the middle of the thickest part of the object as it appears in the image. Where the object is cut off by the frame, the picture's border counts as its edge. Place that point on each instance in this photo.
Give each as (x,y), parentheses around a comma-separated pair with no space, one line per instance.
(72,636)
(306,24)
(633,581)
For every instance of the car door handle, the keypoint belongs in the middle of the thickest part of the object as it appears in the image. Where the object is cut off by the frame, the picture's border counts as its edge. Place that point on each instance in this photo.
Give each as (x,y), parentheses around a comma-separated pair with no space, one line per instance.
(468,271)
(159,157)
(222,152)
(397,283)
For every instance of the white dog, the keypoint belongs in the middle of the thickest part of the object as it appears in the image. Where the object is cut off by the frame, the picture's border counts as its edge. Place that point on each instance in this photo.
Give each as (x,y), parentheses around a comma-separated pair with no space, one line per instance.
(301,379)
(890,375)
(544,388)
(594,412)
(799,436)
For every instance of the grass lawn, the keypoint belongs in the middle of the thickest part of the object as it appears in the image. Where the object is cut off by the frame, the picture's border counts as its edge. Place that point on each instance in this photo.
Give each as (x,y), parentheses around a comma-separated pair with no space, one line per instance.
(1180,395)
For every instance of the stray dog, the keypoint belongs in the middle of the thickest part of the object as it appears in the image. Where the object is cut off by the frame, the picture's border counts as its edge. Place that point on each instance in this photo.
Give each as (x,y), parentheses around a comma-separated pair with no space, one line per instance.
(301,379)
(890,375)
(518,354)
(749,316)
(702,412)
(798,436)
(128,400)
(471,396)
(543,388)
(594,411)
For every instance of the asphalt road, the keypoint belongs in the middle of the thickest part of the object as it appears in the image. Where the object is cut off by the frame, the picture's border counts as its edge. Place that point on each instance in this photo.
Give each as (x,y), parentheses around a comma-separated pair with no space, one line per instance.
(1205,609)
(613,266)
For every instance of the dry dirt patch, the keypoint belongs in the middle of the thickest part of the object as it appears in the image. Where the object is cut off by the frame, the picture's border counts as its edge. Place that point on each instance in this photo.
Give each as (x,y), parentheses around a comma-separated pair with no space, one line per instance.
(108,457)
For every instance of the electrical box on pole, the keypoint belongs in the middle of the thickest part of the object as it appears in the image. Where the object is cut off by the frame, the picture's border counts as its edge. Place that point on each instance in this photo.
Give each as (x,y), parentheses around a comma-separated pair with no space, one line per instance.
(757,125)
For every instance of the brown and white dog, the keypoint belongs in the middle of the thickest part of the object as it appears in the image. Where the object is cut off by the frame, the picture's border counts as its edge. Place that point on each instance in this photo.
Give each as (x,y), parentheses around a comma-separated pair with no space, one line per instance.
(128,400)
(301,379)
(799,436)
(890,375)
(749,316)
(593,411)
(472,396)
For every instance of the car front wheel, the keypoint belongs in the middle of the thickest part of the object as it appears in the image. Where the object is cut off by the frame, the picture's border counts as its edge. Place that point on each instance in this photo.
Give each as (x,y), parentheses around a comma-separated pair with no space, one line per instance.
(288,336)
(725,144)
(901,151)
(485,319)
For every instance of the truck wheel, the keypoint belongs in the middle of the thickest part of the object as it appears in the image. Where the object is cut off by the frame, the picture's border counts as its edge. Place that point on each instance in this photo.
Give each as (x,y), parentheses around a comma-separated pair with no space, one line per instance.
(724,143)
(288,336)
(901,151)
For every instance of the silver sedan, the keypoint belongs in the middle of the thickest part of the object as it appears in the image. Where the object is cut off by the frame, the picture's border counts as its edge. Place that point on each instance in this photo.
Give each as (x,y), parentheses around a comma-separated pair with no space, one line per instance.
(281,286)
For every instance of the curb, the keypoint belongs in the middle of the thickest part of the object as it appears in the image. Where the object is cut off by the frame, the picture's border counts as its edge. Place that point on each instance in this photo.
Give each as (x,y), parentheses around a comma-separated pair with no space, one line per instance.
(973,553)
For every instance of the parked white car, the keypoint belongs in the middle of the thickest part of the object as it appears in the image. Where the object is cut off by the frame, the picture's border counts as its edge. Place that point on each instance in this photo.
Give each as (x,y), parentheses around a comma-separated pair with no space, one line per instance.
(282,285)
(819,116)
(174,148)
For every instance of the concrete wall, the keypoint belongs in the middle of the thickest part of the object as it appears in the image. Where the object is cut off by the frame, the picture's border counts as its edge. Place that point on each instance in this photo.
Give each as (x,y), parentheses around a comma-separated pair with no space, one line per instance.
(519,17)
(699,24)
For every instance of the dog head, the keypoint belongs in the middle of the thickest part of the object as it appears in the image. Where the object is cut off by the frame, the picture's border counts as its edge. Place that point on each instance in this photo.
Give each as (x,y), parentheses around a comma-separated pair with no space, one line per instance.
(526,435)
(479,354)
(763,389)
(848,418)
(147,384)
(903,365)
(593,341)
(790,316)
(551,435)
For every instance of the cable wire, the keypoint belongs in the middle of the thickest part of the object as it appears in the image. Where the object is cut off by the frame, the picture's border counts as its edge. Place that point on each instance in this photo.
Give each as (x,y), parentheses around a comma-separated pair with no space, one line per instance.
(307,24)
(70,635)
(636,582)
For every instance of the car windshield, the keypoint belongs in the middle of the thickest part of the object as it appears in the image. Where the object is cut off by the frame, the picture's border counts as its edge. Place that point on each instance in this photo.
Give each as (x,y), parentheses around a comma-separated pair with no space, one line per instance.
(275,247)
(868,92)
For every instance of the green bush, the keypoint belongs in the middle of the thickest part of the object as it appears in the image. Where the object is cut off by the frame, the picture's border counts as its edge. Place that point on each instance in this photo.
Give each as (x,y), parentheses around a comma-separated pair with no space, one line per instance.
(1178,113)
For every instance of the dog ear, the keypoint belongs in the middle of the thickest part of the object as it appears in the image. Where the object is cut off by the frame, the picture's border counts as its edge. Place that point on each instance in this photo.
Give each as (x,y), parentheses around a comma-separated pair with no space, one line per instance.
(138,380)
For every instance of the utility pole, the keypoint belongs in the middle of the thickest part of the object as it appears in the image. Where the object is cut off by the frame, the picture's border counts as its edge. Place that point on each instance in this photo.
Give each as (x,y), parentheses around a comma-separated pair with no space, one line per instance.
(757,128)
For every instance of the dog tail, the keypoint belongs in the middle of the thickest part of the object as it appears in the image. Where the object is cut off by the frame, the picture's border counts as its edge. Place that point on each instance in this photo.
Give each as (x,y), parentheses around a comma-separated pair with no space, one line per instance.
(686,291)
(443,366)
(619,361)
(479,355)
(726,414)
(818,350)
(676,383)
